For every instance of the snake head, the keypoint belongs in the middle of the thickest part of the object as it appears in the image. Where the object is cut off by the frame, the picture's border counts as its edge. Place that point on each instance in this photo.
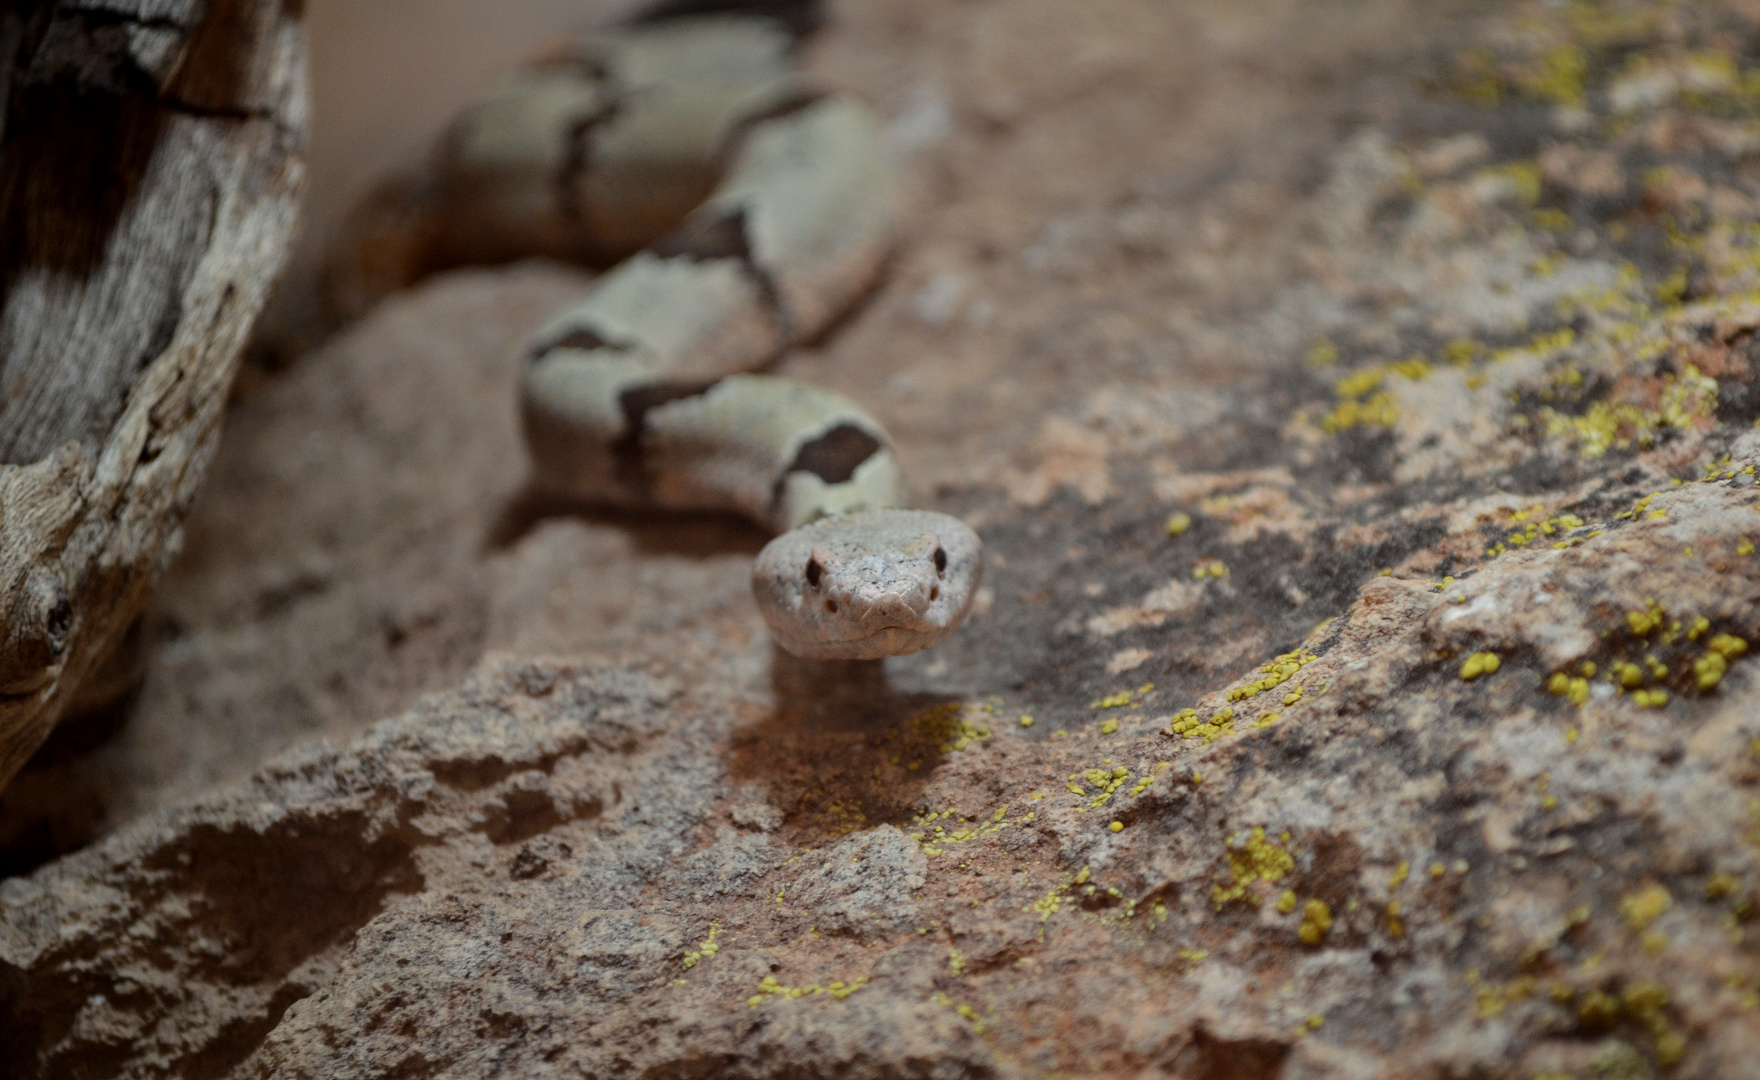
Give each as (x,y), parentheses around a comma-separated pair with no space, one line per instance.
(870,584)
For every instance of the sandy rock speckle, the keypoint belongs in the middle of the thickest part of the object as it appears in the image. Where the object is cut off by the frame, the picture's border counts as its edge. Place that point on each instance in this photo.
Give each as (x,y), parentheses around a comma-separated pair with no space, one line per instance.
(1427,745)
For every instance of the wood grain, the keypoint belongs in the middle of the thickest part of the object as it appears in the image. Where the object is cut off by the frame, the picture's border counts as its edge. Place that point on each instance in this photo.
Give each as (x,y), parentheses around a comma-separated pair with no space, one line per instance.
(150,164)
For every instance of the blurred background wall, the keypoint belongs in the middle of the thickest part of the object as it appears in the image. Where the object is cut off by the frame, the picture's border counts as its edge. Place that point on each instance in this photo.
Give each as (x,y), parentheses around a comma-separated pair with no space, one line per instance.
(386,74)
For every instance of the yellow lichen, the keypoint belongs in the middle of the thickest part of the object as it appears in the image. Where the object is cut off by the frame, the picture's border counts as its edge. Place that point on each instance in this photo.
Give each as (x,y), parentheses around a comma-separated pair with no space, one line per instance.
(709,947)
(954,725)
(1490,1000)
(1052,902)
(1251,860)
(1316,922)
(1378,410)
(1709,670)
(1561,78)
(1575,688)
(935,838)
(1178,524)
(1645,906)
(1362,403)
(1107,782)
(1643,622)
(768,987)
(1727,646)
(1274,674)
(1400,873)
(1535,525)
(1480,663)
(1689,401)
(1122,698)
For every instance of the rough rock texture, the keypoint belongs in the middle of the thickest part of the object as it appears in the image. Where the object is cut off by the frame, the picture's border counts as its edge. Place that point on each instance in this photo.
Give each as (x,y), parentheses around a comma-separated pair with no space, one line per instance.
(1371,510)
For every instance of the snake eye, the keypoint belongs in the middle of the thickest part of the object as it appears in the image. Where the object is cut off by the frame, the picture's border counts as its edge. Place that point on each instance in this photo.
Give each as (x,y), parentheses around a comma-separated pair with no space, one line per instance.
(940,561)
(814,572)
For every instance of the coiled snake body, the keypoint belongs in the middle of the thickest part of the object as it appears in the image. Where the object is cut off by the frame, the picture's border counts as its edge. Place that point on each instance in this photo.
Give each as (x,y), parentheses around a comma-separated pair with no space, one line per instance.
(641,394)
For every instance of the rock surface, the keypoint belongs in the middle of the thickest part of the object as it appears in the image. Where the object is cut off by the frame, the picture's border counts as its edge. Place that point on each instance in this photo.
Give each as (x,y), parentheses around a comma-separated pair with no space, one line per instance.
(1357,406)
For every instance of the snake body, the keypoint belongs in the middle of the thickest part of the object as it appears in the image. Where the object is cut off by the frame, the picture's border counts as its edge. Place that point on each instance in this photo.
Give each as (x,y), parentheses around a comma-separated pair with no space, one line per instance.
(774,212)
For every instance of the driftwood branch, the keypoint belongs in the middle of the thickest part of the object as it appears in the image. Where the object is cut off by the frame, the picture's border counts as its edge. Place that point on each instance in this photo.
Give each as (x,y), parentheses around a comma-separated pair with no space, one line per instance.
(149,169)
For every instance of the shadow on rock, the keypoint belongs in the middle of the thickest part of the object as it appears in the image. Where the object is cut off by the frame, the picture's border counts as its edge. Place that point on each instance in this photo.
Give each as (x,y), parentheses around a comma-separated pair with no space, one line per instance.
(654,532)
(844,749)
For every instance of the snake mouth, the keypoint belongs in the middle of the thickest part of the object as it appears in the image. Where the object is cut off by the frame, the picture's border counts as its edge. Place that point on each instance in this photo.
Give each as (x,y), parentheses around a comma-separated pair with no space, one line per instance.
(880,632)
(873,645)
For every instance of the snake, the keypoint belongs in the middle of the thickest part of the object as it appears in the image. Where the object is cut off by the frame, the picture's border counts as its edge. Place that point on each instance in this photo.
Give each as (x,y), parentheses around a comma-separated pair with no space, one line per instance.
(743,213)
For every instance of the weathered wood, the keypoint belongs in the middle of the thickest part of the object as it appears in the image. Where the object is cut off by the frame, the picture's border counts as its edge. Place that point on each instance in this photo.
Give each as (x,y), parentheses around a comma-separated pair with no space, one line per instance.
(149,169)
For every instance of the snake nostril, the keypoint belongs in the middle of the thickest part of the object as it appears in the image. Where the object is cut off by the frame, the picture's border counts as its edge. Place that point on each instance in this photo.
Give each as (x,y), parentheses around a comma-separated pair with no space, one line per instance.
(814,573)
(934,594)
(940,561)
(831,606)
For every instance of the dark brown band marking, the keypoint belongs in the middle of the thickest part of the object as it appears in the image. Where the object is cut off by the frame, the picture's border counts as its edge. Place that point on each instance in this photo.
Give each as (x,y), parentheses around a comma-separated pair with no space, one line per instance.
(799,17)
(835,456)
(578,159)
(796,101)
(583,338)
(637,402)
(705,237)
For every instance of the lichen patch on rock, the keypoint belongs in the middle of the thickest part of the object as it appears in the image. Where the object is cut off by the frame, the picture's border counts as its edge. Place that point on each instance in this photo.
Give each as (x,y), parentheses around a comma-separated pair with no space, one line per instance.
(1364,685)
